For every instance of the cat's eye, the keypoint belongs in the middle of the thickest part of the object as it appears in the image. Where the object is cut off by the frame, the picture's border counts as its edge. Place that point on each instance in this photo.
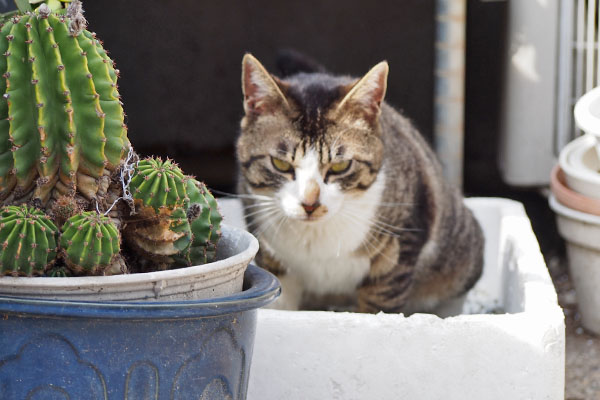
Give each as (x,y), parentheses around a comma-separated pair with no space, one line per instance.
(280,165)
(340,167)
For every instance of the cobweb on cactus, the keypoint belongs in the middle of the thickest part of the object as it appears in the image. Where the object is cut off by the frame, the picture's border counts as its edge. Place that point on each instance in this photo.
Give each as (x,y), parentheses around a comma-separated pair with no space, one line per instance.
(127,171)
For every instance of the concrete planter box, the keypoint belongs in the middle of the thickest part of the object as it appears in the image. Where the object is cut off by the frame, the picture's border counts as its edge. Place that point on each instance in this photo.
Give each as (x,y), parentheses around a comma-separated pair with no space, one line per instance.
(516,354)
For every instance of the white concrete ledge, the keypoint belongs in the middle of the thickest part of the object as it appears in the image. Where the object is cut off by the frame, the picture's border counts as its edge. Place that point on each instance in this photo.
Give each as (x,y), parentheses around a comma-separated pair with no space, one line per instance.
(518,354)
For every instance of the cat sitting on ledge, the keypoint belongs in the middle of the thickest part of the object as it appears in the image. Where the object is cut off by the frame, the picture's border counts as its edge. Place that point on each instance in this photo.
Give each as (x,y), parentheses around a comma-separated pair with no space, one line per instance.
(346,198)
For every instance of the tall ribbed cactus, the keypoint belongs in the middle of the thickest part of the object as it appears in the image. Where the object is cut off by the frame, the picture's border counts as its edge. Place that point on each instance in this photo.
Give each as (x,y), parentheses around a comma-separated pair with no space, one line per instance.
(64,149)
(61,121)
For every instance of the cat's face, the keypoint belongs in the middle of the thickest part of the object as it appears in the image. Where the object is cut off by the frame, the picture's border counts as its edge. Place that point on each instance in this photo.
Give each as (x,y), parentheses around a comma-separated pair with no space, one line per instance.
(312,143)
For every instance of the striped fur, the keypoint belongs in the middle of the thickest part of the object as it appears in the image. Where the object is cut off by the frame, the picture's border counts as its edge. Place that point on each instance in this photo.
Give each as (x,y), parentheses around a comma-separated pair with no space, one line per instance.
(385,234)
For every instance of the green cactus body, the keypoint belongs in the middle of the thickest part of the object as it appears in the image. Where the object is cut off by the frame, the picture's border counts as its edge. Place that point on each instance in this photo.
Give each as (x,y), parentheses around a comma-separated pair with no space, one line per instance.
(28,240)
(206,227)
(161,229)
(179,220)
(157,185)
(89,243)
(61,120)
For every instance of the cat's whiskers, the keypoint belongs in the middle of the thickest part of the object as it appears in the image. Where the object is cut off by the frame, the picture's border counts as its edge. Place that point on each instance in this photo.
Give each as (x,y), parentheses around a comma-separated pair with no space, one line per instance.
(334,146)
(268,223)
(369,240)
(383,224)
(380,226)
(258,205)
(260,211)
(262,214)
(361,202)
(241,196)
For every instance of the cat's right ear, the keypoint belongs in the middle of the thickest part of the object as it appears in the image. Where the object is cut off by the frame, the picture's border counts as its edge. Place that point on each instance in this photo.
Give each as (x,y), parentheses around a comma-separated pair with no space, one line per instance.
(262,92)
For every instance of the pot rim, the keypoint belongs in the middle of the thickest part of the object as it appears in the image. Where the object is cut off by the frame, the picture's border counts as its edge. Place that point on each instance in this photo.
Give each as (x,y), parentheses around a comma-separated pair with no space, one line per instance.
(588,140)
(262,288)
(76,282)
(571,213)
(584,118)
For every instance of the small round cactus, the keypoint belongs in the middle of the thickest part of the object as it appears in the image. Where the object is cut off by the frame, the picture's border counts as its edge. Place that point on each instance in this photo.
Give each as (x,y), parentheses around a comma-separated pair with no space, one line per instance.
(158,185)
(205,221)
(28,241)
(89,243)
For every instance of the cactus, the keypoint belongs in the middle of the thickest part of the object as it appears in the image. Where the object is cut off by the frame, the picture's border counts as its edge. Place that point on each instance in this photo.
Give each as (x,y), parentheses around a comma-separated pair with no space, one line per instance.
(61,122)
(157,186)
(205,221)
(28,240)
(89,243)
(64,149)
(179,217)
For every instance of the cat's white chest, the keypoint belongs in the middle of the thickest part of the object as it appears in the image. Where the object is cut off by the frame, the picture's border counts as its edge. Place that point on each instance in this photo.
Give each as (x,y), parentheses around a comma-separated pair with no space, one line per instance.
(323,260)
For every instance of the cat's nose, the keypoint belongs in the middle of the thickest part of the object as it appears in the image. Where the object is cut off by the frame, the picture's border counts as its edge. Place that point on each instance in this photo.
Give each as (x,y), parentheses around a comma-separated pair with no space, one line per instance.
(310,208)
(311,194)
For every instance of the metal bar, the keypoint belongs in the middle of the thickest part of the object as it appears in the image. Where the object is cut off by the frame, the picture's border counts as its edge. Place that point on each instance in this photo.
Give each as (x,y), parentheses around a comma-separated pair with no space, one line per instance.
(591,27)
(450,87)
(564,104)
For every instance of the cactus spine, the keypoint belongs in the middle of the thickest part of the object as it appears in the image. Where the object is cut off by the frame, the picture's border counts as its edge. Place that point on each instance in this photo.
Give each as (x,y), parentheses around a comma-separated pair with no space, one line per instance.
(61,121)
(89,243)
(28,241)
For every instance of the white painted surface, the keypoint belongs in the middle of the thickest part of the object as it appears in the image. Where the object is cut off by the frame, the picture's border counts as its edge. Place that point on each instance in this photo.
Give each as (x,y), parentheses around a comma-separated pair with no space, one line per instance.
(301,355)
(582,233)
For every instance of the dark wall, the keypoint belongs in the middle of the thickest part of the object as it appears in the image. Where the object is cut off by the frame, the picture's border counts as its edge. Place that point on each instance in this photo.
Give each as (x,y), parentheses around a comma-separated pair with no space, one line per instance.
(180,63)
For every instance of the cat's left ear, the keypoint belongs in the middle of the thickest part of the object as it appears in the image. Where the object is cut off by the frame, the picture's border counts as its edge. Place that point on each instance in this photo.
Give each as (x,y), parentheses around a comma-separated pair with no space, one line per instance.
(366,95)
(262,91)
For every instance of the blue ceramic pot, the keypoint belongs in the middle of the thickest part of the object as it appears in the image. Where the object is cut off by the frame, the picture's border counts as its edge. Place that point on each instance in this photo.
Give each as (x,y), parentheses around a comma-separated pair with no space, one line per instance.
(52,349)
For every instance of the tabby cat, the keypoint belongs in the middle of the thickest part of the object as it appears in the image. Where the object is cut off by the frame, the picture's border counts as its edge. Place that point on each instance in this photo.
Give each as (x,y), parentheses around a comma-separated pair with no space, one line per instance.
(347,199)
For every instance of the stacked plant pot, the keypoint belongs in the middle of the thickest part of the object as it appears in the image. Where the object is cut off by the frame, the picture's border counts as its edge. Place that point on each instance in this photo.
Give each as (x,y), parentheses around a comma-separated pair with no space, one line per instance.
(575,184)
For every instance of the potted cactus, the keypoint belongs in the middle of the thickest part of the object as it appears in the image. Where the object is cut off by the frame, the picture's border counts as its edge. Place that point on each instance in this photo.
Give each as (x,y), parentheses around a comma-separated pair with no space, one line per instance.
(106,259)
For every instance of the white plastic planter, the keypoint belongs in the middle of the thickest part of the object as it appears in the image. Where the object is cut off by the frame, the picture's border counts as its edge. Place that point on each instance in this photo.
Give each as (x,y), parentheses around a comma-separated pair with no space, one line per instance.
(579,161)
(519,354)
(587,112)
(582,234)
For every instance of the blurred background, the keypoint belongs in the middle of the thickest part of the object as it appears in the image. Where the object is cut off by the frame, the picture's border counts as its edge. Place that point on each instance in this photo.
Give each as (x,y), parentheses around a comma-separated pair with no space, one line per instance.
(180,74)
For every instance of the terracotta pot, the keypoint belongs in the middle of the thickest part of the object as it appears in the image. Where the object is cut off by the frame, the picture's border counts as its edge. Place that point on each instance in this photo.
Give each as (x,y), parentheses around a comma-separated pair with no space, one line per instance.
(570,198)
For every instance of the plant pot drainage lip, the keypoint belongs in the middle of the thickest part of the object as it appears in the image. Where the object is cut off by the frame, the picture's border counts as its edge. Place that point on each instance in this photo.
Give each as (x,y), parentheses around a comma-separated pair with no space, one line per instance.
(568,212)
(262,288)
(141,278)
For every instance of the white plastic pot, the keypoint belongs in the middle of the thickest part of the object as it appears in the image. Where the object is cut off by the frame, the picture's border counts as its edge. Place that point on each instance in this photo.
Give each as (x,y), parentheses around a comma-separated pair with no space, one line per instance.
(580,163)
(587,112)
(220,278)
(581,232)
(515,351)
